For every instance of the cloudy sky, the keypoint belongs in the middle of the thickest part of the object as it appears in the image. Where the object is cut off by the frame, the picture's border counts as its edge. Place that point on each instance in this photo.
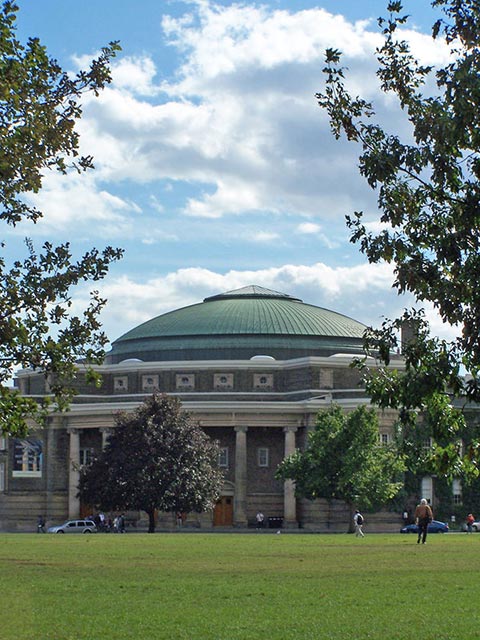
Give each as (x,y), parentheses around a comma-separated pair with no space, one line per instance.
(215,168)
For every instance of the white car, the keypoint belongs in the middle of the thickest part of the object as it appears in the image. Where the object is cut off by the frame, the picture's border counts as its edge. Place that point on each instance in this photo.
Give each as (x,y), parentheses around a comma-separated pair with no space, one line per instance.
(476,525)
(74,526)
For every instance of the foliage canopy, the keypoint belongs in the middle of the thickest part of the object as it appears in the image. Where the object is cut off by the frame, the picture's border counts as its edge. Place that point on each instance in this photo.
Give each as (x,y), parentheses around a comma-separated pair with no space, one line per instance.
(428,192)
(157,458)
(39,107)
(344,460)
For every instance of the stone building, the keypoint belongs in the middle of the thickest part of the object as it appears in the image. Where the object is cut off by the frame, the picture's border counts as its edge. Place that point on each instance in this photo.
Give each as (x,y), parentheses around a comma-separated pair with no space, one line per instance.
(253,366)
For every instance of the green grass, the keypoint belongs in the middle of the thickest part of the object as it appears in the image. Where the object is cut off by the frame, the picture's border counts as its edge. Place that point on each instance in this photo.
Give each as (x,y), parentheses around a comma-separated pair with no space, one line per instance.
(239,587)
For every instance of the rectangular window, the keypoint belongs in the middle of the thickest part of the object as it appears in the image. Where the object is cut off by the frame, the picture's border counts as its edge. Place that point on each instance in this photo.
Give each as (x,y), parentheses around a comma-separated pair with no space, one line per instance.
(262,456)
(457,491)
(3,443)
(427,489)
(428,443)
(384,438)
(2,477)
(27,458)
(86,456)
(223,457)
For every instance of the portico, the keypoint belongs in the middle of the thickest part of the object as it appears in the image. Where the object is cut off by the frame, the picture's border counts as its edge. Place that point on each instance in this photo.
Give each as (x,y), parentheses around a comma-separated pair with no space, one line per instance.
(253,451)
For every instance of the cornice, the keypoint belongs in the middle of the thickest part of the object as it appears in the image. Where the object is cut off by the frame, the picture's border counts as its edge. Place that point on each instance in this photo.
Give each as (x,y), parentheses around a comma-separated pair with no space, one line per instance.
(137,366)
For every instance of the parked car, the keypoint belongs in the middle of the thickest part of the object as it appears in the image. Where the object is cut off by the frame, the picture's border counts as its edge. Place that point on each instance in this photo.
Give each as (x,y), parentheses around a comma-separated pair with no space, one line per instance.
(434,527)
(74,526)
(476,525)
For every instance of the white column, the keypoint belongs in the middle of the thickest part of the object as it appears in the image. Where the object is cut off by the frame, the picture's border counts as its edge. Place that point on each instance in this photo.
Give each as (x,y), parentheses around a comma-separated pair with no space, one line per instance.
(106,433)
(240,499)
(289,499)
(73,473)
(53,428)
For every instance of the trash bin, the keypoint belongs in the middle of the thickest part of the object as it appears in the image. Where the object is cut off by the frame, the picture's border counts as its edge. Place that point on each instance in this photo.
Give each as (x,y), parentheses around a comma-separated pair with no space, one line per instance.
(275,523)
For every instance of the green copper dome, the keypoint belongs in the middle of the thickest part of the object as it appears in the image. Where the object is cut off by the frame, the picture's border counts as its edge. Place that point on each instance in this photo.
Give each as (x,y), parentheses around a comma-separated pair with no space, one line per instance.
(238,325)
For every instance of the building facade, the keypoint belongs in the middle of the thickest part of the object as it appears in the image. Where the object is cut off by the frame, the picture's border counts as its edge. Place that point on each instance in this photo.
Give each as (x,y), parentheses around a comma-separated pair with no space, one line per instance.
(253,366)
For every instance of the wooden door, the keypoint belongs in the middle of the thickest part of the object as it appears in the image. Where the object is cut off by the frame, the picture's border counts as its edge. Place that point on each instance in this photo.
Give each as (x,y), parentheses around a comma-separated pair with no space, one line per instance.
(223,513)
(86,510)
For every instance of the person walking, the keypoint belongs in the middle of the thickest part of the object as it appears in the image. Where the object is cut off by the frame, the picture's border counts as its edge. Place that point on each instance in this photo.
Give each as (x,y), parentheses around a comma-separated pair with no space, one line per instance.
(260,520)
(469,522)
(423,517)
(358,522)
(40,524)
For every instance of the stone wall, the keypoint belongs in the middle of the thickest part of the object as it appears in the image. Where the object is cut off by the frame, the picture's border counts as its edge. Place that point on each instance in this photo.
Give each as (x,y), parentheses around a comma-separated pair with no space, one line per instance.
(304,377)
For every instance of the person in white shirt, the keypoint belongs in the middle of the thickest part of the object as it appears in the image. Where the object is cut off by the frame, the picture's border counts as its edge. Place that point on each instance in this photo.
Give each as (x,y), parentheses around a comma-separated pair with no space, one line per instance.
(358,521)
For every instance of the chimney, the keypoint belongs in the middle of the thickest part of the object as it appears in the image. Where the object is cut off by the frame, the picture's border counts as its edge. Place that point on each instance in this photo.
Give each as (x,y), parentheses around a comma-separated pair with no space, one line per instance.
(408,333)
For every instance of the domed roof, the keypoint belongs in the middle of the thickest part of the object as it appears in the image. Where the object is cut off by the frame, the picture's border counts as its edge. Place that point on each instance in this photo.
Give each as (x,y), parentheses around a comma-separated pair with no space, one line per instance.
(240,324)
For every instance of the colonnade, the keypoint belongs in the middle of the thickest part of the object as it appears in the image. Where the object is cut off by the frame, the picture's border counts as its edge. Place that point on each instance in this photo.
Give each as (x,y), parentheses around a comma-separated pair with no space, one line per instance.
(240,498)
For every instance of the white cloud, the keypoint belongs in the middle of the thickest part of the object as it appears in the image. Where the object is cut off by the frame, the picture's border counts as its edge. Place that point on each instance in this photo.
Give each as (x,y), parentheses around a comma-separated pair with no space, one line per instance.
(156,205)
(230,38)
(75,202)
(265,237)
(239,119)
(135,74)
(158,236)
(132,73)
(231,196)
(309,228)
(313,229)
(437,326)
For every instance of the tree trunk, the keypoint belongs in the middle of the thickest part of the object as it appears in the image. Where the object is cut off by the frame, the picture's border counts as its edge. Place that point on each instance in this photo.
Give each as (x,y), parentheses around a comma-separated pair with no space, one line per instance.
(151,520)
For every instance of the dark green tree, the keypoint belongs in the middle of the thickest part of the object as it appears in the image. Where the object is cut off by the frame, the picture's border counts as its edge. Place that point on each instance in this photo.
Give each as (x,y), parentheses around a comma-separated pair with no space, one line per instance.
(39,107)
(157,458)
(344,460)
(428,192)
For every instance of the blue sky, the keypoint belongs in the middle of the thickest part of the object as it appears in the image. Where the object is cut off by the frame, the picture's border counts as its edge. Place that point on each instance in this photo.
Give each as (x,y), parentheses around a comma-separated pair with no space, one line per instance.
(215,167)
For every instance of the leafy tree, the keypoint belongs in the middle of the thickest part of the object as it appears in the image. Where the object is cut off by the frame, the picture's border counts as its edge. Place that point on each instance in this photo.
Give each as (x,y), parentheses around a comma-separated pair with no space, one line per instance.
(39,107)
(344,460)
(157,458)
(428,192)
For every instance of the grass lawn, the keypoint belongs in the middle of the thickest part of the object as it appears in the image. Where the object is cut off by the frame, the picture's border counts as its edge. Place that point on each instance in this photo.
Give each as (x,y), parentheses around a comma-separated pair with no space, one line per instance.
(239,587)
